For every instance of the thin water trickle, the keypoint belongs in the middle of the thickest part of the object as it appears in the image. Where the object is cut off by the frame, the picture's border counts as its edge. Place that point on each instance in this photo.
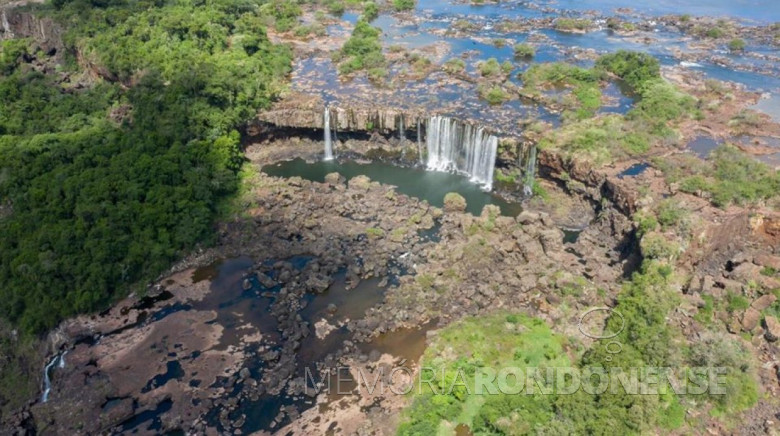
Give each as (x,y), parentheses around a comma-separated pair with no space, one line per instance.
(328,140)
(59,362)
(530,173)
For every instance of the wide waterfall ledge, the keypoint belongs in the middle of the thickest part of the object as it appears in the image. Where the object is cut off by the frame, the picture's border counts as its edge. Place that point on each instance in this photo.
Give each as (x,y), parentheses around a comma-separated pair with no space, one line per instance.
(450,146)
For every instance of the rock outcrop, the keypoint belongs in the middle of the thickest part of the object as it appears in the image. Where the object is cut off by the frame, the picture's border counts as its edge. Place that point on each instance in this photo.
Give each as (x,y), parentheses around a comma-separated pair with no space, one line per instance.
(19,23)
(306,111)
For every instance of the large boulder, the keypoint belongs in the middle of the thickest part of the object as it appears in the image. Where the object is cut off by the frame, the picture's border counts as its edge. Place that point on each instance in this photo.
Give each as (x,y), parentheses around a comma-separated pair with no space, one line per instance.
(454,202)
(360,183)
(334,179)
(772,328)
(750,319)
(763,302)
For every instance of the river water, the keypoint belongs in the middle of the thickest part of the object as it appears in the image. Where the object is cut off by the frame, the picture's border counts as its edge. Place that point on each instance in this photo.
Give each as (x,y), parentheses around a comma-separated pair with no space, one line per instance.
(431,186)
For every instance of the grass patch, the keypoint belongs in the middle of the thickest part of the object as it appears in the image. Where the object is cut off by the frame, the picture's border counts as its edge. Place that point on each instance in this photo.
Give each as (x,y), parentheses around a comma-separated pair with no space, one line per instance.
(523,50)
(363,51)
(729,176)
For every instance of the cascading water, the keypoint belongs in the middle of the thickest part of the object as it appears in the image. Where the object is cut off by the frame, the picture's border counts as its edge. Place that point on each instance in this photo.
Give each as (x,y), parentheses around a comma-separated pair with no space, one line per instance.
(463,148)
(419,141)
(59,361)
(401,134)
(6,25)
(530,173)
(328,141)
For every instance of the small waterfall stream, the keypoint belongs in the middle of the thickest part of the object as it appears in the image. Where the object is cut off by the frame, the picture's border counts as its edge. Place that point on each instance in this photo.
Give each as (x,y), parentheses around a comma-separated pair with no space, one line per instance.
(419,142)
(59,362)
(530,173)
(460,147)
(328,140)
(6,25)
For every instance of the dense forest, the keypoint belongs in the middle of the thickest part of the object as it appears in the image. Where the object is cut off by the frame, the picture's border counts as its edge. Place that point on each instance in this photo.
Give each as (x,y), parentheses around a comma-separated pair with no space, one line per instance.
(103,186)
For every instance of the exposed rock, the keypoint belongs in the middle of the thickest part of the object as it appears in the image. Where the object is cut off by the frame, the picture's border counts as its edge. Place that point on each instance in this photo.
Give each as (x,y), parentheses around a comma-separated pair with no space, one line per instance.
(768,260)
(454,202)
(18,23)
(750,319)
(334,179)
(772,328)
(763,302)
(360,183)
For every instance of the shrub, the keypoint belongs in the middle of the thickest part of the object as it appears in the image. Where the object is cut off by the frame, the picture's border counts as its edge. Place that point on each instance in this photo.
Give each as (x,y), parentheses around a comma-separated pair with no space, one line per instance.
(454,202)
(662,102)
(716,350)
(633,67)
(524,51)
(737,44)
(715,32)
(656,246)
(363,50)
(10,52)
(556,73)
(377,74)
(645,223)
(589,97)
(454,66)
(494,94)
(670,214)
(370,11)
(403,5)
(336,7)
(491,67)
(571,24)
(506,67)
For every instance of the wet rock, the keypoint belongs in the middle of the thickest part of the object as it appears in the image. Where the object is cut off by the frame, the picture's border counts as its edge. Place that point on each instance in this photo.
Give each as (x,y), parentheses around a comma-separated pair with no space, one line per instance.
(332,308)
(317,283)
(246,285)
(266,281)
(772,328)
(244,373)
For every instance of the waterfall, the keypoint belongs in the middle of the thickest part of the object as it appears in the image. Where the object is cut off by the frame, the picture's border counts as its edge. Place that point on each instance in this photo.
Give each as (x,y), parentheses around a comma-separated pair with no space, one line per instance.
(59,361)
(530,172)
(401,134)
(463,148)
(6,25)
(328,141)
(419,141)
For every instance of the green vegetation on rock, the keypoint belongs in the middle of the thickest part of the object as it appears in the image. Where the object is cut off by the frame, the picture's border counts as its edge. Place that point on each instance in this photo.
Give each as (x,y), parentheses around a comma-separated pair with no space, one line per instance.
(403,5)
(737,44)
(466,354)
(634,67)
(729,176)
(524,50)
(363,51)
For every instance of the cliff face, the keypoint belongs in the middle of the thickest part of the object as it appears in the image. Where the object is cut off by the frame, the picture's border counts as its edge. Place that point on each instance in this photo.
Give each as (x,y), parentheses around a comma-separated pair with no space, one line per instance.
(596,184)
(19,23)
(305,111)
